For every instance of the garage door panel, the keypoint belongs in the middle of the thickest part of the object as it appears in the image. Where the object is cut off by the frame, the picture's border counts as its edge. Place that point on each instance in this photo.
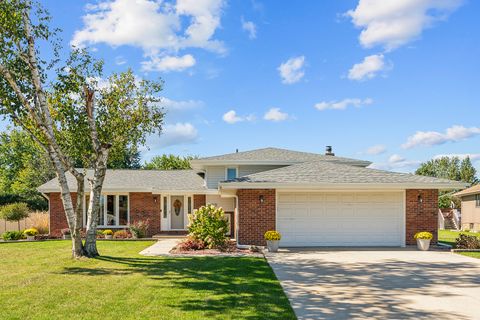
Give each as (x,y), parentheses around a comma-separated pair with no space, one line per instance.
(341,219)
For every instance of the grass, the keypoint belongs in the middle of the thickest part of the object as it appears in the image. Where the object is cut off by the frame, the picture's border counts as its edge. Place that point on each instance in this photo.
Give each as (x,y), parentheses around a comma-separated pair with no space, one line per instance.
(449,236)
(39,280)
(471,254)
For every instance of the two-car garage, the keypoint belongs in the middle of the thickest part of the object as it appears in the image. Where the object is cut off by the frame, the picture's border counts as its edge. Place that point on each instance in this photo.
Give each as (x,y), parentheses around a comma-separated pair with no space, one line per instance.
(341,218)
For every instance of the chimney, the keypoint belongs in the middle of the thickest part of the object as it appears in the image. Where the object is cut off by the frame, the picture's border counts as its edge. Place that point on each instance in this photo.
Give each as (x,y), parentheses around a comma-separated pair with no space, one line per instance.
(237,151)
(329,151)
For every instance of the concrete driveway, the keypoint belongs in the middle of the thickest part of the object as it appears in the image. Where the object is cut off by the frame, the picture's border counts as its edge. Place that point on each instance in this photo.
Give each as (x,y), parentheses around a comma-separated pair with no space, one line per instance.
(379,283)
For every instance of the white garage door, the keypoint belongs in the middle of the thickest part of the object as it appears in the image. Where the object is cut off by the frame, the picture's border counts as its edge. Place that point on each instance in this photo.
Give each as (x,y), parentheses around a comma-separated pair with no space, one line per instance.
(341,219)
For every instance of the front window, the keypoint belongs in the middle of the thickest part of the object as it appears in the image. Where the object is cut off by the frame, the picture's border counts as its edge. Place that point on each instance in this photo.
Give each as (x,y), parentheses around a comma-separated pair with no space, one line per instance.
(231,173)
(114,210)
(477,200)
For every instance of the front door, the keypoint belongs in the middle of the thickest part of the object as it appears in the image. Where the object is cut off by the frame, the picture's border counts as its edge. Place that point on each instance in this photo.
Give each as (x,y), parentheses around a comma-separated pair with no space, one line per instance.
(177,212)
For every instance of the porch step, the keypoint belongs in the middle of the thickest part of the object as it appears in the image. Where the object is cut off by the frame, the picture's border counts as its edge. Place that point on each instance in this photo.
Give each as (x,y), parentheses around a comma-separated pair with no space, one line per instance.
(170,234)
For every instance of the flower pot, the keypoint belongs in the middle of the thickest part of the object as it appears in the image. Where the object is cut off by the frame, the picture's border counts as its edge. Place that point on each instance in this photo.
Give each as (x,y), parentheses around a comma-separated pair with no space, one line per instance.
(272,245)
(108,236)
(67,237)
(30,238)
(423,244)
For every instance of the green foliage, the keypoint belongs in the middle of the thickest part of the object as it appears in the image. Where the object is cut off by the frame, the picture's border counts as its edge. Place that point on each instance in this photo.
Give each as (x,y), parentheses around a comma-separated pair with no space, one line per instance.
(169,162)
(465,241)
(272,235)
(14,211)
(30,232)
(423,235)
(209,225)
(37,202)
(12,235)
(449,168)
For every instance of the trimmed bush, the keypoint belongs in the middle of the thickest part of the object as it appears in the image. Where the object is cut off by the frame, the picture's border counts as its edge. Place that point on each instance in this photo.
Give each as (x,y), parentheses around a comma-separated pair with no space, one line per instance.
(12,235)
(30,232)
(209,225)
(190,244)
(465,241)
(121,234)
(15,212)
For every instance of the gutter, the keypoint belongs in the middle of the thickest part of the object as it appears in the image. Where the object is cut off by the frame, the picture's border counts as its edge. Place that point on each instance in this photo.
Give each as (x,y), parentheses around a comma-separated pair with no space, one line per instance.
(340,186)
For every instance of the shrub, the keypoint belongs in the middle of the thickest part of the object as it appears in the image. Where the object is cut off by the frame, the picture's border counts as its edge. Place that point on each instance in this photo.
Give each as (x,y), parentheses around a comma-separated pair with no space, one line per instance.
(190,244)
(272,235)
(107,232)
(139,228)
(465,241)
(39,221)
(423,235)
(14,212)
(121,234)
(12,235)
(30,232)
(209,225)
(66,232)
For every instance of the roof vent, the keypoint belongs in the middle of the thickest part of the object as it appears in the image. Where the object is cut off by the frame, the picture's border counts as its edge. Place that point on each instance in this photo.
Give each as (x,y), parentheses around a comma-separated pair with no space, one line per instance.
(329,151)
(237,150)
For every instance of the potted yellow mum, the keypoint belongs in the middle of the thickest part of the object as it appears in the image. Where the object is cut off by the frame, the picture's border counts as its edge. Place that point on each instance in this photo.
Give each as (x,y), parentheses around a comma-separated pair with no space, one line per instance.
(108,234)
(273,239)
(423,240)
(30,233)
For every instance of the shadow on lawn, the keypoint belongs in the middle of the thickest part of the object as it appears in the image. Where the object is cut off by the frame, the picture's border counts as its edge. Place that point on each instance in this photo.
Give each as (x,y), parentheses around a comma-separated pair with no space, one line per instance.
(230,283)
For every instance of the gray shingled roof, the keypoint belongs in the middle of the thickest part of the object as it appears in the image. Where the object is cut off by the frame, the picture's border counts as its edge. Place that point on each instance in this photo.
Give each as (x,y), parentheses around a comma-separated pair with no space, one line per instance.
(277,154)
(321,172)
(138,180)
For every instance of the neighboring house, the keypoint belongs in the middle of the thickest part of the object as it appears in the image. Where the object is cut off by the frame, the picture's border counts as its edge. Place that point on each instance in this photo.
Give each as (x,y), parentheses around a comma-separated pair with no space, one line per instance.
(311,199)
(470,208)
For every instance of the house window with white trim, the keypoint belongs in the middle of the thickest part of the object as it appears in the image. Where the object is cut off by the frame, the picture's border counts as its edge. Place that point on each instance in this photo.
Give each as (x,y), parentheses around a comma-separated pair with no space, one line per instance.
(231,173)
(114,210)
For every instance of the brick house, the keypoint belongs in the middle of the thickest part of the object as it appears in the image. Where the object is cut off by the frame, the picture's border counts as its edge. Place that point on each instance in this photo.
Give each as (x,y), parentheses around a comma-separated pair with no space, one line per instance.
(311,199)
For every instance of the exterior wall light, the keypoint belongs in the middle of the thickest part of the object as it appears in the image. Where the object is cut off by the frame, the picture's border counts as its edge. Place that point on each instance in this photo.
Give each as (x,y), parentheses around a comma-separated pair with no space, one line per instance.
(261,198)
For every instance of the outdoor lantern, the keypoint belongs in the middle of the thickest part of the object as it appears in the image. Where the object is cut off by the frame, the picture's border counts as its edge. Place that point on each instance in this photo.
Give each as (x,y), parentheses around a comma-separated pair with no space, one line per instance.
(420,199)
(262,199)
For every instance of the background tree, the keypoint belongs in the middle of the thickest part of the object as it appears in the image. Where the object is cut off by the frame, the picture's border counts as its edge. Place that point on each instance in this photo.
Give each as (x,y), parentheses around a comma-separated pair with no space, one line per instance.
(169,162)
(15,212)
(75,118)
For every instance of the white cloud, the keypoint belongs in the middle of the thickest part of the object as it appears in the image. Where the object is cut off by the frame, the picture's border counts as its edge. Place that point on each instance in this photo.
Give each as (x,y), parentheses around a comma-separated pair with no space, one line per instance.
(180,105)
(274,114)
(377,149)
(168,63)
(392,24)
(431,138)
(119,60)
(368,68)
(231,117)
(343,104)
(397,163)
(292,70)
(250,28)
(160,28)
(178,133)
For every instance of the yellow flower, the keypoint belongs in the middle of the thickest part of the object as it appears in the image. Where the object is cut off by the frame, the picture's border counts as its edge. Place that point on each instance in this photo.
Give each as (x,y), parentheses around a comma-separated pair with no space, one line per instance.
(423,235)
(272,235)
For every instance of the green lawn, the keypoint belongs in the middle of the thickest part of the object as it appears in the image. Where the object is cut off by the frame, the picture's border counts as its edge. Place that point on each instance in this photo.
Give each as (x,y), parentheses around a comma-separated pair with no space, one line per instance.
(449,236)
(38,280)
(471,254)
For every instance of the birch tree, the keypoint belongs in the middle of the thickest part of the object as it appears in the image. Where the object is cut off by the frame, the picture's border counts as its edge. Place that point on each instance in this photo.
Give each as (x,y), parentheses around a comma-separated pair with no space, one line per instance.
(70,109)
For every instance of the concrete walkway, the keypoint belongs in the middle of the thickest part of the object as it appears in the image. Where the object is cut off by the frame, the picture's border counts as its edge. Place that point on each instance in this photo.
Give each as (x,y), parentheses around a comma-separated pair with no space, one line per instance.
(379,284)
(162,247)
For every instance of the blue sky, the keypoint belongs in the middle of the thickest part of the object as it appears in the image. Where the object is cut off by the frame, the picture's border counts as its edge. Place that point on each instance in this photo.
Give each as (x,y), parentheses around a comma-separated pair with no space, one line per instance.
(394,82)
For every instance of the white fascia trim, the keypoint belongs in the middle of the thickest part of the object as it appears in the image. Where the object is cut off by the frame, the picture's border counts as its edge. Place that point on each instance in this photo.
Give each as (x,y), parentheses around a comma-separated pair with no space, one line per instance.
(340,186)
(200,164)
(128,190)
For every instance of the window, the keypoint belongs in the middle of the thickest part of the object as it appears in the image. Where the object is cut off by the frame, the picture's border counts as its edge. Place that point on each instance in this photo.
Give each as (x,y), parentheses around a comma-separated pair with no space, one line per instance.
(477,200)
(189,205)
(165,207)
(114,210)
(231,173)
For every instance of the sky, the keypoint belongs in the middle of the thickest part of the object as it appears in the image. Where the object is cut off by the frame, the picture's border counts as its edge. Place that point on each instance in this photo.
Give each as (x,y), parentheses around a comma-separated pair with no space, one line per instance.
(393,82)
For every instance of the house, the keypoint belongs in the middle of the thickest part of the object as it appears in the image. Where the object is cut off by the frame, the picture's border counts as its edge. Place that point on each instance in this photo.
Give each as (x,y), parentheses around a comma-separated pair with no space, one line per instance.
(470,208)
(311,199)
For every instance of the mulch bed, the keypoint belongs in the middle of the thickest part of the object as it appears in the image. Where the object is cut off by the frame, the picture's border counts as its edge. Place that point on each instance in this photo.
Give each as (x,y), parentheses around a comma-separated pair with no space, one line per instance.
(231,250)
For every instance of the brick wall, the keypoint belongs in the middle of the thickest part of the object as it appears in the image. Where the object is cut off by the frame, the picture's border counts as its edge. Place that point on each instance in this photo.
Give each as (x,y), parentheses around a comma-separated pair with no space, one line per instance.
(145,205)
(255,218)
(199,200)
(58,220)
(421,216)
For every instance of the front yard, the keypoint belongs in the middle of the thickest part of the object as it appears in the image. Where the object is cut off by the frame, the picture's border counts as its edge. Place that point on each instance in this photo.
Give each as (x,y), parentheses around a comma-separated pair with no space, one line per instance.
(39,280)
(449,236)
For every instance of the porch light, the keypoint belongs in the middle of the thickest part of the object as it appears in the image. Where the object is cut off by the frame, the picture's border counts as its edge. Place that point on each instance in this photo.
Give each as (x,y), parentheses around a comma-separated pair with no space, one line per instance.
(262,199)
(420,199)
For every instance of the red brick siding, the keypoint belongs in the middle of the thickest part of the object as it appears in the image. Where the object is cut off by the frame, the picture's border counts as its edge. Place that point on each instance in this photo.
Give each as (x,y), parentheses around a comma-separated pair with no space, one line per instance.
(58,220)
(145,205)
(421,216)
(255,218)
(199,200)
